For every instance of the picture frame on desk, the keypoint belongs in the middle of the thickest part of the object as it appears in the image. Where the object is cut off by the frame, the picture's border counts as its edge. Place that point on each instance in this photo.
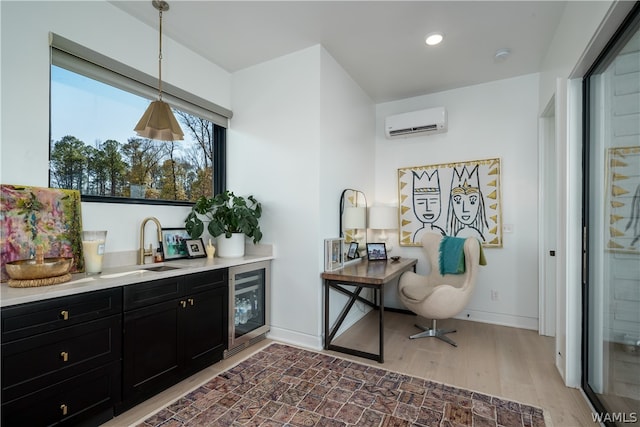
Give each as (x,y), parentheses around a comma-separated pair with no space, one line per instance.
(195,248)
(333,254)
(174,243)
(352,253)
(376,252)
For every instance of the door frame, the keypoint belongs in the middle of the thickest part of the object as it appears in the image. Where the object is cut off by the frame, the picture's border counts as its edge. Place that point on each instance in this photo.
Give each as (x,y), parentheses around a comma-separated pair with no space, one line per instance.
(547,225)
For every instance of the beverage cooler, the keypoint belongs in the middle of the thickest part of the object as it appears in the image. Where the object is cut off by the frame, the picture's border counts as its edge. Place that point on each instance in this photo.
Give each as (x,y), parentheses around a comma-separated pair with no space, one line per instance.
(248,305)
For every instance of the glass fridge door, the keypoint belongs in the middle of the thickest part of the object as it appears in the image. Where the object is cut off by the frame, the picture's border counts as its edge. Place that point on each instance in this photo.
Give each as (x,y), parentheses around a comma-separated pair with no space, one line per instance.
(248,303)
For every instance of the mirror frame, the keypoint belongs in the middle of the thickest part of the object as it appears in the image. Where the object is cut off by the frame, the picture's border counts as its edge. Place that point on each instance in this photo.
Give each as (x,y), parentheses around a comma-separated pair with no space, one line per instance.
(351,198)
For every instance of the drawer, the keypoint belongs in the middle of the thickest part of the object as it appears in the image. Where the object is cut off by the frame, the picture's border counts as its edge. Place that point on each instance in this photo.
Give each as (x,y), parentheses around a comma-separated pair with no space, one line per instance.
(204,281)
(32,363)
(147,293)
(37,317)
(89,397)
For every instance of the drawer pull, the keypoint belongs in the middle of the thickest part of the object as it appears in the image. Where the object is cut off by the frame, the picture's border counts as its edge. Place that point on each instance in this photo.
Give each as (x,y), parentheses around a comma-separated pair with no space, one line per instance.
(183,303)
(65,356)
(64,315)
(64,409)
(191,301)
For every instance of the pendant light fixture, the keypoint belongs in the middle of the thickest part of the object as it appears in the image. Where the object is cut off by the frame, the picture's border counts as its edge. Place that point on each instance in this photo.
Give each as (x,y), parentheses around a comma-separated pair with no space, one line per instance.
(158,122)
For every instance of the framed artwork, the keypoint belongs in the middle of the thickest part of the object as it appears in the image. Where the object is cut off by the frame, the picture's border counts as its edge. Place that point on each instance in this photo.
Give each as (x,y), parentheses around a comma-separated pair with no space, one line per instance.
(195,248)
(333,259)
(622,208)
(352,253)
(460,199)
(40,216)
(174,243)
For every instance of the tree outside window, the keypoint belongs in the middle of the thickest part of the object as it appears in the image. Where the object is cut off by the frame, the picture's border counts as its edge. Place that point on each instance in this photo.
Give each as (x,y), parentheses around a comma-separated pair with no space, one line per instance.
(94,149)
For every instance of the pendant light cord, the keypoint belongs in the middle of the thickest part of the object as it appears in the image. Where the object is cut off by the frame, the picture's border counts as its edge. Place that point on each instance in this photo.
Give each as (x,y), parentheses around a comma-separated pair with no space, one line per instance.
(160,60)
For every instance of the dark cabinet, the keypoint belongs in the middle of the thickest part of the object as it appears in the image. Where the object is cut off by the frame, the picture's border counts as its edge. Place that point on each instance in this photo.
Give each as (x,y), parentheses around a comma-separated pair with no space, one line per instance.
(81,400)
(61,359)
(172,328)
(79,359)
(205,337)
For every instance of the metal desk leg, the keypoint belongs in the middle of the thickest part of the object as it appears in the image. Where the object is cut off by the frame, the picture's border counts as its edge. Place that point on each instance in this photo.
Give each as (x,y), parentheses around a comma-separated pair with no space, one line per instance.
(326,314)
(381,314)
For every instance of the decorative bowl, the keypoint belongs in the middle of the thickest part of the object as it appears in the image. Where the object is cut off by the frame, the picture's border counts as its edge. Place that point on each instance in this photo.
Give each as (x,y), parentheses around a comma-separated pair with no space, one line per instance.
(28,269)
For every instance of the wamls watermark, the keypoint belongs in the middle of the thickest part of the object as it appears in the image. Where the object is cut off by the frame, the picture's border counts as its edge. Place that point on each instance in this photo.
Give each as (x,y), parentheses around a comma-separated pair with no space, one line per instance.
(615,417)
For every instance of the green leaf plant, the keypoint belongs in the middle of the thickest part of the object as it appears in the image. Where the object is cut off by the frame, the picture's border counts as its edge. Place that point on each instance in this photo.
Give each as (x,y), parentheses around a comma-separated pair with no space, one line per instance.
(226,214)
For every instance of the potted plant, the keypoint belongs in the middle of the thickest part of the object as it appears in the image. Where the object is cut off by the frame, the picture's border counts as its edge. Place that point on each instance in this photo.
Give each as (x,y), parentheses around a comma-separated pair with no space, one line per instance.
(229,217)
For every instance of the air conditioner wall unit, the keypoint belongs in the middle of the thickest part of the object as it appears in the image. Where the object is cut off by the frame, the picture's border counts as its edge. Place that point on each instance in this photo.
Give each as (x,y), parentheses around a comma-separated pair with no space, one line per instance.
(422,122)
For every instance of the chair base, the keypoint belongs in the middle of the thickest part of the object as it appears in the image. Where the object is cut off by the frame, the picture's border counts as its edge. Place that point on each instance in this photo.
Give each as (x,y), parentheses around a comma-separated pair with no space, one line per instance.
(436,333)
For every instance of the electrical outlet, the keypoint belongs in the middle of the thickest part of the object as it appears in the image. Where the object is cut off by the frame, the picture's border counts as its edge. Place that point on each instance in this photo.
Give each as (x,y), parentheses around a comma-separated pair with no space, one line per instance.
(494,295)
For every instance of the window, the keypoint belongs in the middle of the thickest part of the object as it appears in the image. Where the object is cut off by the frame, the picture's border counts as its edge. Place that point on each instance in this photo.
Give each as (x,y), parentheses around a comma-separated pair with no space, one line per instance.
(95,103)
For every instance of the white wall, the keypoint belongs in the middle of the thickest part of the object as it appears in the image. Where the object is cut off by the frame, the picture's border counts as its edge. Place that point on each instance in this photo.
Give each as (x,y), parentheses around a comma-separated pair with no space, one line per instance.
(99,26)
(302,131)
(497,119)
(580,22)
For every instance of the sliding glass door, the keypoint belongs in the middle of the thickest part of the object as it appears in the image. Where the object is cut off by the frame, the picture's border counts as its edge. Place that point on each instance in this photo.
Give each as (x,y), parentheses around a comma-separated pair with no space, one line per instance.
(611,300)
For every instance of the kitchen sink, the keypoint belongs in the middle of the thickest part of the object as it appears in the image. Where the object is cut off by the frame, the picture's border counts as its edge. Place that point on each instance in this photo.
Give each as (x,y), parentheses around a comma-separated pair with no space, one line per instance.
(161,268)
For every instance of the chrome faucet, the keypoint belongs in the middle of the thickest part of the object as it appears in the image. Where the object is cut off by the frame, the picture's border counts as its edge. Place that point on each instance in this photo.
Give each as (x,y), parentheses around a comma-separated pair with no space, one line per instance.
(142,252)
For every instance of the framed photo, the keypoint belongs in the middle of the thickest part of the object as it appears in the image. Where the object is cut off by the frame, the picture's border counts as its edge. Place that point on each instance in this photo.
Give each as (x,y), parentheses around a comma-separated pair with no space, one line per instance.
(195,248)
(352,253)
(376,252)
(174,243)
(333,259)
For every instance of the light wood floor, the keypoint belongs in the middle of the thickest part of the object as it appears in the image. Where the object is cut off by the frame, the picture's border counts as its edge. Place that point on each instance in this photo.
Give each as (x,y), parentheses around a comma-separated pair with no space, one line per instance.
(513,363)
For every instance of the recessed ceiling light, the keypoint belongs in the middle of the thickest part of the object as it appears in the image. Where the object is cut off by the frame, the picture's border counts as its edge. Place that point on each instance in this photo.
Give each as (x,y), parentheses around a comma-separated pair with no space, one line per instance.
(434,39)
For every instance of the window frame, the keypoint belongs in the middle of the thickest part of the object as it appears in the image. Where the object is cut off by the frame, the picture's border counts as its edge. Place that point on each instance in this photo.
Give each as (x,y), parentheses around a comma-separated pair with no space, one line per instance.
(625,31)
(78,59)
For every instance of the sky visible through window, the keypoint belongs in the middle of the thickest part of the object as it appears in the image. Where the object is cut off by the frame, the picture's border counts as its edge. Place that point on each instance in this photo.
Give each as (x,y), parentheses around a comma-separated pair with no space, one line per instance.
(93,111)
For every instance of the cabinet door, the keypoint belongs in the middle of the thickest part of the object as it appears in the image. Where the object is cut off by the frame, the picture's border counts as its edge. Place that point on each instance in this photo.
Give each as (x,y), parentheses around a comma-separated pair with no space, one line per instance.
(205,328)
(37,362)
(150,353)
(86,399)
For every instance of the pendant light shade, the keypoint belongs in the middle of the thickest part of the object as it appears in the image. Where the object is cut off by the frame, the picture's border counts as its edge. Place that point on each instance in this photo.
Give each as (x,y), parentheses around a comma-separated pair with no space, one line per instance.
(158,122)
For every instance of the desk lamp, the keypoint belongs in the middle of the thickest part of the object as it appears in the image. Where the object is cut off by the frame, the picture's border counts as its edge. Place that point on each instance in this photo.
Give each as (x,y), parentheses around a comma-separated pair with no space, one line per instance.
(383,218)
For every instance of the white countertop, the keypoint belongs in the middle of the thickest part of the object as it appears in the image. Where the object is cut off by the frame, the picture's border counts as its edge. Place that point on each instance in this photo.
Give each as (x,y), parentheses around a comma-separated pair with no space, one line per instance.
(120,276)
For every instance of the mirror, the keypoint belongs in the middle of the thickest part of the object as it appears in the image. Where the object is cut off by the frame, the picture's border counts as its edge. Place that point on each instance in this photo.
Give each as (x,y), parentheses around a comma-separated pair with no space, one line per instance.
(353,220)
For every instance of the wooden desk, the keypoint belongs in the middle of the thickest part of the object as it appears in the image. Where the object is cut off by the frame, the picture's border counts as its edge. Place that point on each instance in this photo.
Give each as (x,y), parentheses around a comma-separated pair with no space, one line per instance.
(362,275)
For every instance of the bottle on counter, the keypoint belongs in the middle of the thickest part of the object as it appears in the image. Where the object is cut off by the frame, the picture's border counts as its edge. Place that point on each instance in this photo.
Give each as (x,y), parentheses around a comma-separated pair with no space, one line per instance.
(158,256)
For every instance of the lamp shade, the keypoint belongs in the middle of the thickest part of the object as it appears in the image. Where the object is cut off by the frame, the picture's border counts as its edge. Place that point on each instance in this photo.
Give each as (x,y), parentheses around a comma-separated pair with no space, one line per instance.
(355,218)
(158,122)
(383,217)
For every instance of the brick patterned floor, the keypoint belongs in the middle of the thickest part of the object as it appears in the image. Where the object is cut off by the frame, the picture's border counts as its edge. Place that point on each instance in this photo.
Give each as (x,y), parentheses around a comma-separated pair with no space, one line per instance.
(287,386)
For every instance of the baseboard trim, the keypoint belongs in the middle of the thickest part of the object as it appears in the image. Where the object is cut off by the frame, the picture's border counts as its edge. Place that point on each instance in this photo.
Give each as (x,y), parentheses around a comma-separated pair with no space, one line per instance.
(499,319)
(316,342)
(296,338)
(485,317)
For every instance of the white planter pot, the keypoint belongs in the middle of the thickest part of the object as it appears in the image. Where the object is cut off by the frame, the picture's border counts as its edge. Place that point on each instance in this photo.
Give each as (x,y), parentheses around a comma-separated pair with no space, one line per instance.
(232,247)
